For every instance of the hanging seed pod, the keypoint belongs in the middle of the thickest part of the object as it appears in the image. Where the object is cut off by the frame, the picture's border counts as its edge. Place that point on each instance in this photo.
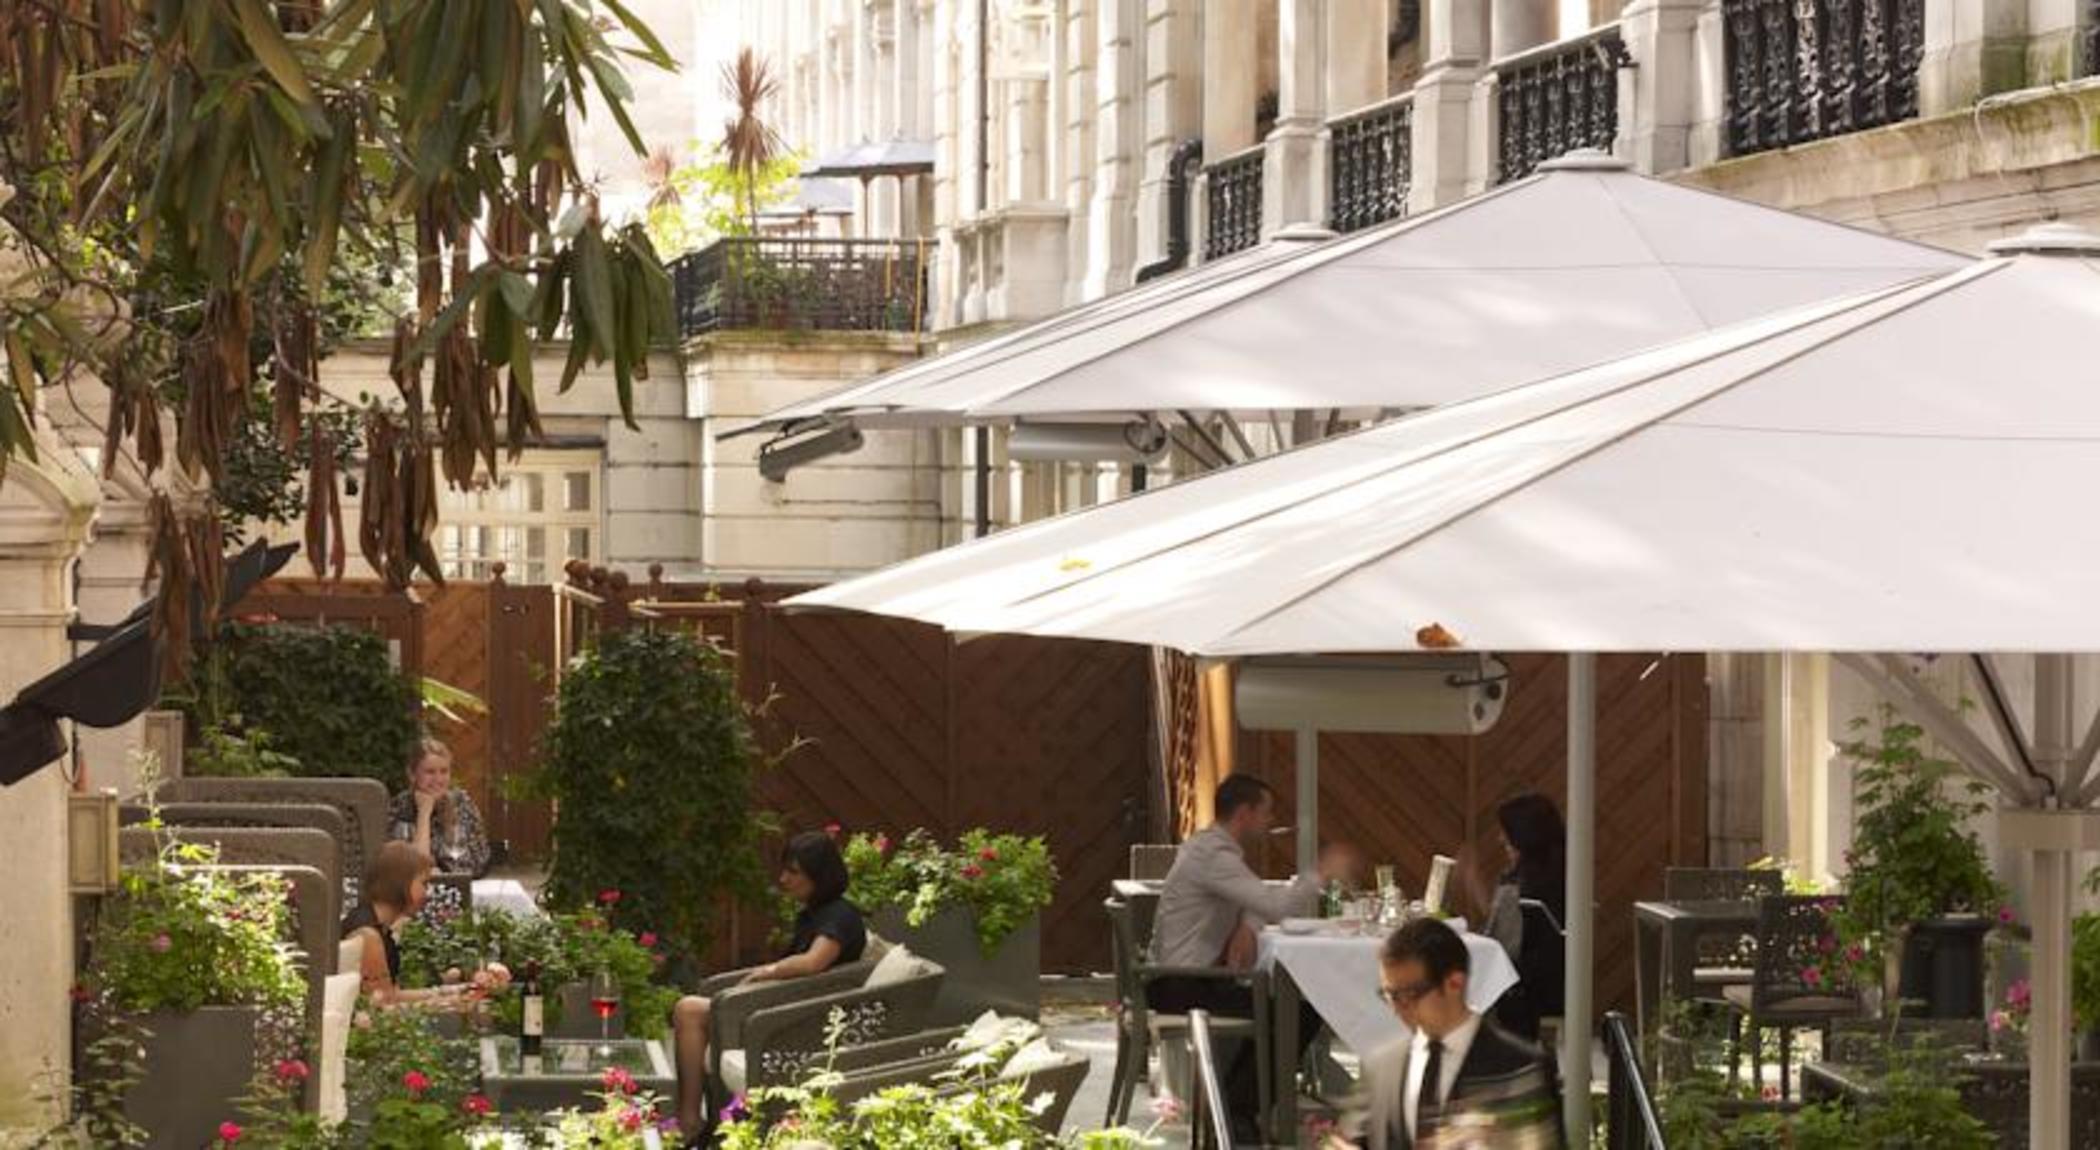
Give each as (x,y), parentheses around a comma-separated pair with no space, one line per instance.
(320,494)
(378,501)
(294,373)
(207,547)
(168,562)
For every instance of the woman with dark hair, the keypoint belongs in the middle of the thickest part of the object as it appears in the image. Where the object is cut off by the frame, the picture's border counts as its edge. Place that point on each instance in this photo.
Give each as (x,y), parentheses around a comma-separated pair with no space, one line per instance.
(1536,842)
(828,931)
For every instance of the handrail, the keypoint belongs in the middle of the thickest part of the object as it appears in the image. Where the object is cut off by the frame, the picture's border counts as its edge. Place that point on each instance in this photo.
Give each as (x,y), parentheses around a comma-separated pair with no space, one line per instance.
(1390,103)
(1598,40)
(1630,1111)
(1207,1108)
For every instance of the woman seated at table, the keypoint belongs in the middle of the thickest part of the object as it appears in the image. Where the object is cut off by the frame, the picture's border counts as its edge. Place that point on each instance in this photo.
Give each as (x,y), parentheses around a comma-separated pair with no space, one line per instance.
(393,892)
(437,817)
(1536,844)
(828,931)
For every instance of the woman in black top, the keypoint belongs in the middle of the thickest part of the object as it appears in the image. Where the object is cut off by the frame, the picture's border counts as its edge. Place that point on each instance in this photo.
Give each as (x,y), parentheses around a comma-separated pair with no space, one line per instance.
(393,891)
(1537,845)
(828,931)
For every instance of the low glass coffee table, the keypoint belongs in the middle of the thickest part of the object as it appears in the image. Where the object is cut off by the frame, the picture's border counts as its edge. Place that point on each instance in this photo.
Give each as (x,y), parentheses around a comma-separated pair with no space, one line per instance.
(569,1071)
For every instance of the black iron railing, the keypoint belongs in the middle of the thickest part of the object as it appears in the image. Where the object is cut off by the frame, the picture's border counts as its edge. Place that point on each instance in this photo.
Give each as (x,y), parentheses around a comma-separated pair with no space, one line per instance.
(1370,164)
(744,283)
(1556,99)
(1630,1122)
(1801,70)
(1232,199)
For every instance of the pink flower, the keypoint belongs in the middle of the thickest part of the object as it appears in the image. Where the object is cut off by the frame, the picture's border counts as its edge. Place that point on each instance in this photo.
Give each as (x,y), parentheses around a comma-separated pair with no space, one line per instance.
(292,1070)
(833,829)
(988,854)
(1167,1108)
(631,1119)
(2019,995)
(609,896)
(647,938)
(417,1082)
(1826,944)
(476,1105)
(1855,953)
(618,1079)
(161,944)
(2005,916)
(229,1132)
(973,871)
(2000,1020)
(882,844)
(737,1109)
(1813,976)
(1770,1093)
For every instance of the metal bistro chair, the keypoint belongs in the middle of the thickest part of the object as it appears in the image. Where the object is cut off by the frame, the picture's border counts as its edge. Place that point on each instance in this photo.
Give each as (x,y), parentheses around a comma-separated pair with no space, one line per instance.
(1722,961)
(1791,930)
(1533,1007)
(1140,1030)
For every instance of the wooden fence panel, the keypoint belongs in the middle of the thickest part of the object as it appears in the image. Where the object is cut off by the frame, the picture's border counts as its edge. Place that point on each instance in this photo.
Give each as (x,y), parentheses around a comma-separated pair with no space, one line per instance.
(518,653)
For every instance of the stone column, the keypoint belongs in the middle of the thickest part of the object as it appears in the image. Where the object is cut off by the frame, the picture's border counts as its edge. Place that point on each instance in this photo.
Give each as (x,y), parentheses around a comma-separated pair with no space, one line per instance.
(110,575)
(1173,109)
(1294,167)
(1455,61)
(1518,25)
(1076,140)
(880,55)
(948,163)
(1118,147)
(1230,73)
(1356,64)
(905,80)
(1972,49)
(1663,36)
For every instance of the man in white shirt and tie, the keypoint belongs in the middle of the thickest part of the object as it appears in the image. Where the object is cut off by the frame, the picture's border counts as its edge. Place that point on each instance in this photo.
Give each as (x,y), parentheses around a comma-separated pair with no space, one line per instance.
(1460,1080)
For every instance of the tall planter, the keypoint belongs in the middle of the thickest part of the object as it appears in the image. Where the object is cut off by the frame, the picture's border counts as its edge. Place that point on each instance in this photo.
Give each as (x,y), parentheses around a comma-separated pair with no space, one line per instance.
(197,1067)
(1008,980)
(1943,967)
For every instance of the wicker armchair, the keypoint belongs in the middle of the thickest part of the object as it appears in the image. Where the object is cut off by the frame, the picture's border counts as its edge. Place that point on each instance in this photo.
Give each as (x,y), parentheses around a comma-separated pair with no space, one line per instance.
(779,1038)
(362,804)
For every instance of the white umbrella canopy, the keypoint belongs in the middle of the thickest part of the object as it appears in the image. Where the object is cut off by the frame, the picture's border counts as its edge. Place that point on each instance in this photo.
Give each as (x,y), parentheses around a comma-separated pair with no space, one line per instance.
(1901,470)
(1579,263)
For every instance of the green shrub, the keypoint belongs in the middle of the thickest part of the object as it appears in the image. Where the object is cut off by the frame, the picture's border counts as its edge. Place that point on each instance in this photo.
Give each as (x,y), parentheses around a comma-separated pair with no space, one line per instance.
(651,761)
(325,696)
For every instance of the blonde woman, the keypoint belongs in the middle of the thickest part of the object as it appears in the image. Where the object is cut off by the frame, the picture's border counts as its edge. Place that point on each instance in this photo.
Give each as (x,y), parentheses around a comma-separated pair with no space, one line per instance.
(438,818)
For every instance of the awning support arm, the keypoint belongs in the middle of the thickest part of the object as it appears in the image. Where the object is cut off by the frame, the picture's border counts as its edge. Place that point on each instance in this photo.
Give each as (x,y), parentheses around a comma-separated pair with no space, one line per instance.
(1939,720)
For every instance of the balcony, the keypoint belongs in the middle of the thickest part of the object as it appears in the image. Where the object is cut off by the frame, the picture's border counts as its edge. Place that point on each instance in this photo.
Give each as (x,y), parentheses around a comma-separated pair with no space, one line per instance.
(1558,98)
(1370,164)
(1232,203)
(765,284)
(1801,70)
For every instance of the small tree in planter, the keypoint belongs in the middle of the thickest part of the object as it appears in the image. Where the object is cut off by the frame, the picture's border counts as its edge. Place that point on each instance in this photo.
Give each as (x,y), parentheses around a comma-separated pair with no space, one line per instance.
(651,760)
(973,909)
(1919,885)
(192,972)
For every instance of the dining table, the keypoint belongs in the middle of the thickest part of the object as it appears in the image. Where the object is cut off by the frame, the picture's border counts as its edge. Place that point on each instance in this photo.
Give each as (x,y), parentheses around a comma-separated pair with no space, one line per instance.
(1667,936)
(1335,969)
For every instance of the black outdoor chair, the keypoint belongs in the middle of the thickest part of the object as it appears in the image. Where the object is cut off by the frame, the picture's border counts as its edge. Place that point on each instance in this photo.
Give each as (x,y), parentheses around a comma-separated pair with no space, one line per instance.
(1541,991)
(1793,933)
(1139,1028)
(1723,961)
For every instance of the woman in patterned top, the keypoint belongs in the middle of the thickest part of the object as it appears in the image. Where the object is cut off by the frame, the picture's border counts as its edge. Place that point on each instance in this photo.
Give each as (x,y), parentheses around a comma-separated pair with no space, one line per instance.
(439,818)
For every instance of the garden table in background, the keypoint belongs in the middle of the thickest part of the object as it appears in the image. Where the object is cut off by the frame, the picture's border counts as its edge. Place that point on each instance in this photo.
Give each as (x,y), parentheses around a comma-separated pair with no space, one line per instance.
(1666,947)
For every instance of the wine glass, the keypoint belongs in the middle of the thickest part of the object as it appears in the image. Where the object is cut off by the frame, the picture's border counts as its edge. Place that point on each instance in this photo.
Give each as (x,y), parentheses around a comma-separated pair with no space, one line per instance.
(605,998)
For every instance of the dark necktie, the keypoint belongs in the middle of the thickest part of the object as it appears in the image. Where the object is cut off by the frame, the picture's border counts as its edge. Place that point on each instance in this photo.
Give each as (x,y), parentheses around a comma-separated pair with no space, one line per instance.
(1428,1097)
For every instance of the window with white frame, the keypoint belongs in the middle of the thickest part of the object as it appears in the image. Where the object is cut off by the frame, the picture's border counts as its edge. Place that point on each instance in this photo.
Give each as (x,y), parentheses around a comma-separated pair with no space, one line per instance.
(534,517)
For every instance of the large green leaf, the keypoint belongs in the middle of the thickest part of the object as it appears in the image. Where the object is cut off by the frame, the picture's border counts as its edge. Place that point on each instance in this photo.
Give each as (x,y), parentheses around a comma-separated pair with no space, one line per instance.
(267,41)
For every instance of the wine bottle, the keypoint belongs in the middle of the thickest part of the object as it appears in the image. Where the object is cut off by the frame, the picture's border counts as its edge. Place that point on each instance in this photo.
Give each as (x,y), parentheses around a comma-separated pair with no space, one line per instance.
(532,1017)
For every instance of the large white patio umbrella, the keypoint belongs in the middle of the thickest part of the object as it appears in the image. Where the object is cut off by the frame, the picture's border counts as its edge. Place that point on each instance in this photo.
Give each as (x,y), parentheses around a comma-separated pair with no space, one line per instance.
(1579,263)
(1903,470)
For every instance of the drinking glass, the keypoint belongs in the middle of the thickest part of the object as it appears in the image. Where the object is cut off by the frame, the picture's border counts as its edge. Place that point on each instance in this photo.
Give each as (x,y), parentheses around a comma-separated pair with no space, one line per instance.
(1385,877)
(605,998)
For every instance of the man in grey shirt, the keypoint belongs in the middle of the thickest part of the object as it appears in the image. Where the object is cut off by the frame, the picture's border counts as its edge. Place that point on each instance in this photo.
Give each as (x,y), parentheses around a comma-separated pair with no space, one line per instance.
(1210,906)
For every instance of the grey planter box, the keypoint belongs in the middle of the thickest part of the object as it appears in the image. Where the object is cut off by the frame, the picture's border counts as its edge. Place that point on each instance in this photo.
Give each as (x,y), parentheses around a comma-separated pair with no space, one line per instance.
(1008,981)
(197,1068)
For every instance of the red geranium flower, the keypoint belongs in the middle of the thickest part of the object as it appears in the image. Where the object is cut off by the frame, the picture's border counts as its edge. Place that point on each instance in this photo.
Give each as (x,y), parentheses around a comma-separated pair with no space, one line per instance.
(417,1082)
(476,1105)
(609,896)
(647,938)
(80,993)
(631,1119)
(833,829)
(229,1132)
(973,871)
(617,1078)
(882,844)
(292,1070)
(988,854)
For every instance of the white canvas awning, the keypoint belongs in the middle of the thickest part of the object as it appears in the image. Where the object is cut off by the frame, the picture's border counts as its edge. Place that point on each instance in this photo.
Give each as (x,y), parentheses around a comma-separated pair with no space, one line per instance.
(1902,470)
(1577,264)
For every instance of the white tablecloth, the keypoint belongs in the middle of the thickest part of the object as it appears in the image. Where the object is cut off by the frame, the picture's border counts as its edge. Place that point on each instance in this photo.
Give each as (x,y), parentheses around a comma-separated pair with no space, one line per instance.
(504,894)
(1338,975)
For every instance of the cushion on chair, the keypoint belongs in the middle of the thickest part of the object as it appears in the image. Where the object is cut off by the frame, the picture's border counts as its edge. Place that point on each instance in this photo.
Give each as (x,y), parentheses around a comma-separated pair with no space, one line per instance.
(338,1007)
(350,956)
(898,964)
(1036,1056)
(992,1029)
(731,1070)
(876,947)
(1722,975)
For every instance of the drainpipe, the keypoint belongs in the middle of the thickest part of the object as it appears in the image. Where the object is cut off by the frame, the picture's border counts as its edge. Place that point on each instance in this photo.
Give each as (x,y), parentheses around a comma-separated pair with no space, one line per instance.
(984,203)
(1181,170)
(984,481)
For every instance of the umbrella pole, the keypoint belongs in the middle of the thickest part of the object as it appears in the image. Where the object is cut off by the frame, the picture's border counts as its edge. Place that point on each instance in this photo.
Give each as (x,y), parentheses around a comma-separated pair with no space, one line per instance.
(1308,800)
(2049,1049)
(1582,865)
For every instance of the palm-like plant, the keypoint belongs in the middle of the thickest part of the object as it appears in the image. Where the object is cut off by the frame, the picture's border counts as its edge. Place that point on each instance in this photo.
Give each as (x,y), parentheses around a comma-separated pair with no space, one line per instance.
(749,143)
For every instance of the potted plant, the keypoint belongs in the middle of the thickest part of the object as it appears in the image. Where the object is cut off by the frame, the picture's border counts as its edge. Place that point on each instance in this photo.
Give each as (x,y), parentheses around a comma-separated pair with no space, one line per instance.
(193,974)
(975,909)
(2085,985)
(567,949)
(1920,895)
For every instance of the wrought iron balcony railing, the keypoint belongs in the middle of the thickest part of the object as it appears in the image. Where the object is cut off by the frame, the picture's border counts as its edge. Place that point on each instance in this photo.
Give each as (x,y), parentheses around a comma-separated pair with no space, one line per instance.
(1801,70)
(1370,164)
(1232,198)
(1556,99)
(756,283)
